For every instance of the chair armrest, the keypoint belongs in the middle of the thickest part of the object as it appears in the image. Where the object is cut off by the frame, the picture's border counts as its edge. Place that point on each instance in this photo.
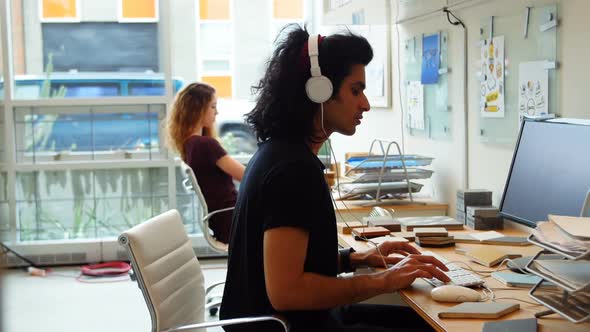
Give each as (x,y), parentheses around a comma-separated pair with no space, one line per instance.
(211,214)
(233,321)
(212,286)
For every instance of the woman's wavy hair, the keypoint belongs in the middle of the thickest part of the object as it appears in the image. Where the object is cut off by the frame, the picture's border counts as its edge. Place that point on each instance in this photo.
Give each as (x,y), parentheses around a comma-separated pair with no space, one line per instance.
(187,111)
(283,109)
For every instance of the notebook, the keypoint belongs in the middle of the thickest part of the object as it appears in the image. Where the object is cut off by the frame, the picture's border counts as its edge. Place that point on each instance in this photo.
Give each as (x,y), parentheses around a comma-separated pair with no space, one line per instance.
(479,310)
(487,256)
(513,325)
(512,279)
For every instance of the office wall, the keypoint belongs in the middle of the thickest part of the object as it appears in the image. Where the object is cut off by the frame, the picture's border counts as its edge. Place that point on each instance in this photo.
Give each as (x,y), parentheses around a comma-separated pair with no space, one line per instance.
(488,164)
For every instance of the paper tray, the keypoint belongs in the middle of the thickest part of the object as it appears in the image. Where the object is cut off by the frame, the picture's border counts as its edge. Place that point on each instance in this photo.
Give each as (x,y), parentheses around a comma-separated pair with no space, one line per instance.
(350,190)
(394,175)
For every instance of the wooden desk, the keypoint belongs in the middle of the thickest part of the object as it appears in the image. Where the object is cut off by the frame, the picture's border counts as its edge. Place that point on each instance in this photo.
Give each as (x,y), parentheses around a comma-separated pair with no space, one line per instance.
(418,297)
(357,209)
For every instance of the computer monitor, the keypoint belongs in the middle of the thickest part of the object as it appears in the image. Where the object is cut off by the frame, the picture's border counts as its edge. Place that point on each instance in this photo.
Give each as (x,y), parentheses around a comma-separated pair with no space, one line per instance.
(550,172)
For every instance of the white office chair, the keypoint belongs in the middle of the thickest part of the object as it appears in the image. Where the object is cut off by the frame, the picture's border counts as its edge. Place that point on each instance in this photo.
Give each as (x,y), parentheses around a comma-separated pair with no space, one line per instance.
(190,184)
(170,277)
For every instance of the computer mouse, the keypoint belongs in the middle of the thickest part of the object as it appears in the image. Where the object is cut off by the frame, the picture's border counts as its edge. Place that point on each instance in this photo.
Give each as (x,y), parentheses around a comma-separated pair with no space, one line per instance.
(453,293)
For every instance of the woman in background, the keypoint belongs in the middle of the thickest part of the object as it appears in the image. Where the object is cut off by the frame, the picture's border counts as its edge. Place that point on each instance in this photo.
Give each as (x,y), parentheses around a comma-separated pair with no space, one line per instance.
(190,129)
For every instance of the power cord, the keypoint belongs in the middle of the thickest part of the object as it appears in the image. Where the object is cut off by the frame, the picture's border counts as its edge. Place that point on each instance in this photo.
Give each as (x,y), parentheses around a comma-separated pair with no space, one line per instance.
(449,14)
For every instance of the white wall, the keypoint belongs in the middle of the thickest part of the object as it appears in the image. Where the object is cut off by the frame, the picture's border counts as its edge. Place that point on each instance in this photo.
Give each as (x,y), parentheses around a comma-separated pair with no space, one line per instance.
(488,164)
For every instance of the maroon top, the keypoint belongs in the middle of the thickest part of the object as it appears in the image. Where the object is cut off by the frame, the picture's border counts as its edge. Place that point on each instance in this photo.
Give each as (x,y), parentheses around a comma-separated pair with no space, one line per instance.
(202,154)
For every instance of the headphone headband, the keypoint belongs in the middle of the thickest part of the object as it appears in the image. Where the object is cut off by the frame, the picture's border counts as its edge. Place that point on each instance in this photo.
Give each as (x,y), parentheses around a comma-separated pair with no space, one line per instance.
(318,87)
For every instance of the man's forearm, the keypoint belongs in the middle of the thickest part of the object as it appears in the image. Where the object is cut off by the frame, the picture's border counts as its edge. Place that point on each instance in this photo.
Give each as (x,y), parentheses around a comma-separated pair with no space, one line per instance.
(313,291)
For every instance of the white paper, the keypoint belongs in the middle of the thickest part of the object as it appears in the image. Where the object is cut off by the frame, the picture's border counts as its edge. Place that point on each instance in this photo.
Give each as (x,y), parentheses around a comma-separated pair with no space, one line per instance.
(492,78)
(415,102)
(487,235)
(533,89)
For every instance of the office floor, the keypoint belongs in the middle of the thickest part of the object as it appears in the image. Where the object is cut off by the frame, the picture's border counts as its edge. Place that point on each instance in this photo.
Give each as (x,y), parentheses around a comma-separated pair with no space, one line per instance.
(58,302)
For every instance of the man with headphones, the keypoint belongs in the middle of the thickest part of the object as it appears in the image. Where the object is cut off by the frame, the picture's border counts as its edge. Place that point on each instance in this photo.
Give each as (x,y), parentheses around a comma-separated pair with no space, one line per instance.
(283,256)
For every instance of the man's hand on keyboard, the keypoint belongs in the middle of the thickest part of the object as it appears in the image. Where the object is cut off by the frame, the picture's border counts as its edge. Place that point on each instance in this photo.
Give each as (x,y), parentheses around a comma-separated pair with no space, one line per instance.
(413,266)
(372,257)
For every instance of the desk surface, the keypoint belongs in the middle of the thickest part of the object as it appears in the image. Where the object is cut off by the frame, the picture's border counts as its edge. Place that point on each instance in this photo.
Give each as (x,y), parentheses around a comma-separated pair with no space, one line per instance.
(365,206)
(418,297)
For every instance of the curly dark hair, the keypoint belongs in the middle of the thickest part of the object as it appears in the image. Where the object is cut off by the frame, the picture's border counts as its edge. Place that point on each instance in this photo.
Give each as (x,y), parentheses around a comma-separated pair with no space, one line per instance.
(283,109)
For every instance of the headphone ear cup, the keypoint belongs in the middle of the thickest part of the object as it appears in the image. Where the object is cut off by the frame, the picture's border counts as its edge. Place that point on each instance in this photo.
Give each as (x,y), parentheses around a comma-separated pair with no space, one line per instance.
(319,89)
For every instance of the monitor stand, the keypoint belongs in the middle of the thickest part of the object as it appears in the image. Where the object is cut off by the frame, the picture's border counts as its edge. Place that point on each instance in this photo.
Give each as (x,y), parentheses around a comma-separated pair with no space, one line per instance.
(586,207)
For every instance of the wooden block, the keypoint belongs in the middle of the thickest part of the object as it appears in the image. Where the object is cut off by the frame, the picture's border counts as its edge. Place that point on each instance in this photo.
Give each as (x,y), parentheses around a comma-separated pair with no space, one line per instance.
(346,228)
(388,222)
(431,231)
(406,235)
(370,232)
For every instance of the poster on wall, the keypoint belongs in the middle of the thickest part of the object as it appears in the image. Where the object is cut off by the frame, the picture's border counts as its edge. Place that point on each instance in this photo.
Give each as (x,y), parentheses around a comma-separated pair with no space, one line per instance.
(430,59)
(415,102)
(533,89)
(492,78)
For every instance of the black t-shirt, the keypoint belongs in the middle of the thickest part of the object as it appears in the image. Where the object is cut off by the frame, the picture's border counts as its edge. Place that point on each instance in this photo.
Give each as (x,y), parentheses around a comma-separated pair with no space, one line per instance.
(202,154)
(283,185)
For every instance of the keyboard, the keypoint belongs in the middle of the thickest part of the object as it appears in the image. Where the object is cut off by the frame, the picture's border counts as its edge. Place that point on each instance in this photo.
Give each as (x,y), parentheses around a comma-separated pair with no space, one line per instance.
(458,275)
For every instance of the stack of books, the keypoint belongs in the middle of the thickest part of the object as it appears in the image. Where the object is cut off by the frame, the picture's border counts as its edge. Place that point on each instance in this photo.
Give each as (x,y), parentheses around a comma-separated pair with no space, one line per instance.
(433,237)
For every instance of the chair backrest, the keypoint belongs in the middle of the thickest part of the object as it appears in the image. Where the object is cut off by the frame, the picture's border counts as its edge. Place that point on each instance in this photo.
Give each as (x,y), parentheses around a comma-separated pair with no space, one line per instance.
(193,184)
(168,272)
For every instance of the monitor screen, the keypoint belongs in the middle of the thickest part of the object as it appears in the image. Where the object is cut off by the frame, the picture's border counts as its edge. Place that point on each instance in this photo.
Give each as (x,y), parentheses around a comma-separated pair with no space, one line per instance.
(550,172)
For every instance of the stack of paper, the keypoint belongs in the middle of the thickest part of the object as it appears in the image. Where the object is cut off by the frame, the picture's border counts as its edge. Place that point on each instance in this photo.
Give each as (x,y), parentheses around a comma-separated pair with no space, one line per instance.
(574,274)
(568,234)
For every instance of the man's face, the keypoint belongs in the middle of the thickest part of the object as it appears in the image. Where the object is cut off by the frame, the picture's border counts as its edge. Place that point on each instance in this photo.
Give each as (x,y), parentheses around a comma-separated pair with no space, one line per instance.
(344,112)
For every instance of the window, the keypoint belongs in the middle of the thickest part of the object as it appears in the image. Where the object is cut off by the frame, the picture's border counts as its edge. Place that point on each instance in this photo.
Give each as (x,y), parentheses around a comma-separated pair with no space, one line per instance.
(288,9)
(215,46)
(100,43)
(59,10)
(101,47)
(80,204)
(214,9)
(286,12)
(138,10)
(76,133)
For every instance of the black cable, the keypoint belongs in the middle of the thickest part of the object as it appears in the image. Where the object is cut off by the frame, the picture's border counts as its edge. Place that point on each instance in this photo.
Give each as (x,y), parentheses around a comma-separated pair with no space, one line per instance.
(449,14)
(6,249)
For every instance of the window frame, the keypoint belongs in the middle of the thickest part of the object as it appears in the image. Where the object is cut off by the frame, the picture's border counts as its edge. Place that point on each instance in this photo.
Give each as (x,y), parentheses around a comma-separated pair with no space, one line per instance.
(201,71)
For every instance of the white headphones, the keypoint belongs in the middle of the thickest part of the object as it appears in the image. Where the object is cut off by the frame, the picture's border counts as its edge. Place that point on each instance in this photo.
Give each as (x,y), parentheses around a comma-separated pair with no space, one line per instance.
(318,87)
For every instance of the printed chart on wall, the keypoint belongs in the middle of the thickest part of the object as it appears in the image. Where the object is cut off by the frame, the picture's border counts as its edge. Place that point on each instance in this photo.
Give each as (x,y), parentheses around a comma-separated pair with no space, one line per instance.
(492,77)
(533,86)
(415,102)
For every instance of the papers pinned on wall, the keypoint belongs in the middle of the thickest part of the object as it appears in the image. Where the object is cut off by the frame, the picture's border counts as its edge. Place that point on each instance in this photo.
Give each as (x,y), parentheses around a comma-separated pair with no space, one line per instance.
(492,78)
(533,86)
(415,102)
